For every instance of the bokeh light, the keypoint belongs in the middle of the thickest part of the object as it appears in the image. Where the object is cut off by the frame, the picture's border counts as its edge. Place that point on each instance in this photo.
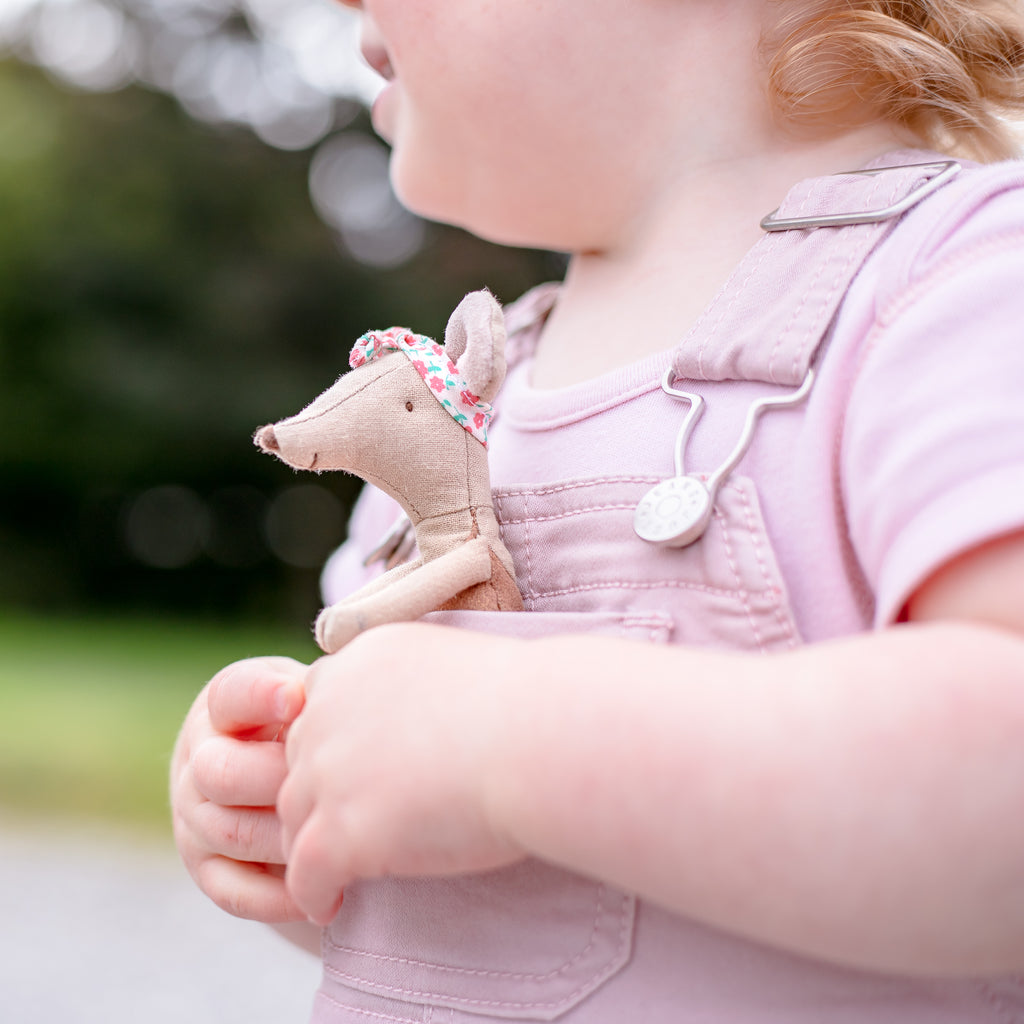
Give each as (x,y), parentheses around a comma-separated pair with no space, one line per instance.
(304,524)
(171,526)
(87,43)
(166,527)
(348,180)
(289,70)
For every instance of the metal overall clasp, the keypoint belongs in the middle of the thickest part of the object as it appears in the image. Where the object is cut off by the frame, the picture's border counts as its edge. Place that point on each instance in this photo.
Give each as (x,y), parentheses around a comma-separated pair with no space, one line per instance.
(676,512)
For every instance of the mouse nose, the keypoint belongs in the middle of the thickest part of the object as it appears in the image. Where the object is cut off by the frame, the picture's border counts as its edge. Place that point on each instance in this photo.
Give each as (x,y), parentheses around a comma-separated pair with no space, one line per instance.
(266,439)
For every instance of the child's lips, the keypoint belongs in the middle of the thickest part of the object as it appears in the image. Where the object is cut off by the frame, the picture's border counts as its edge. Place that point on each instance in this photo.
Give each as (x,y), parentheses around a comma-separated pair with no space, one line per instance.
(378,59)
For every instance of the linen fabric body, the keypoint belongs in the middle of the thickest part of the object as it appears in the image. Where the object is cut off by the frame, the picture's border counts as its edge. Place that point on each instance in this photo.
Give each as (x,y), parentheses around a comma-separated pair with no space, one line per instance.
(908,451)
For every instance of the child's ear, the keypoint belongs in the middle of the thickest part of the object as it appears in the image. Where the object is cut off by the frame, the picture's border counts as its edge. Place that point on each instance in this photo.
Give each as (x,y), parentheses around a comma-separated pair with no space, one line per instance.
(475,341)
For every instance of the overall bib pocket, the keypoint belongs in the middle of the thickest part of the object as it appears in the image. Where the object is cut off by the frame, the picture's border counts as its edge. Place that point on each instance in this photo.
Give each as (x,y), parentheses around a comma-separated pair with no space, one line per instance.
(576,553)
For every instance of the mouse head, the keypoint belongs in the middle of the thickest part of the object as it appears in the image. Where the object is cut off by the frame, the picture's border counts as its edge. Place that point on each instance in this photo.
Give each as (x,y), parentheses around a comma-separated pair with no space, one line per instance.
(408,413)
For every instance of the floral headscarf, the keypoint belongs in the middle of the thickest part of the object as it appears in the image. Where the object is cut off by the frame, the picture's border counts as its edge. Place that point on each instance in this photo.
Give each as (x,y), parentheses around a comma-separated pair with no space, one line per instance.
(441,375)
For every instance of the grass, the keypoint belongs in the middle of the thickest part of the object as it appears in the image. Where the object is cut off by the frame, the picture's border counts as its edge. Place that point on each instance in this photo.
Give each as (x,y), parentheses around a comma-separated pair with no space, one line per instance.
(90,708)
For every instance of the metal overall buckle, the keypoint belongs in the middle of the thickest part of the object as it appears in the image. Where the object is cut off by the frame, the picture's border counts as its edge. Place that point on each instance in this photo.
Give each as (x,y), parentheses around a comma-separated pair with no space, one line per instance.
(677,512)
(942,171)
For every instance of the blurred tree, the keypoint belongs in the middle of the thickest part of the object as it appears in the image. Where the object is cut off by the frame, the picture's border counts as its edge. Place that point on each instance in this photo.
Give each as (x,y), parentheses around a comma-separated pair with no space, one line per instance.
(165,287)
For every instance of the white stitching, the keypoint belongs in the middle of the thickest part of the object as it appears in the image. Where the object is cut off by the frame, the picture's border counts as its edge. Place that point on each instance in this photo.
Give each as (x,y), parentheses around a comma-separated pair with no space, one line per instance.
(528,586)
(741,592)
(737,290)
(600,912)
(582,588)
(502,493)
(569,513)
(567,999)
(368,1013)
(783,615)
(855,252)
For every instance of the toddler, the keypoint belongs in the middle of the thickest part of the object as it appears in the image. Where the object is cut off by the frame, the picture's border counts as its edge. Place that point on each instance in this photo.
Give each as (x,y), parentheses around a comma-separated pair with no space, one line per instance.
(754,752)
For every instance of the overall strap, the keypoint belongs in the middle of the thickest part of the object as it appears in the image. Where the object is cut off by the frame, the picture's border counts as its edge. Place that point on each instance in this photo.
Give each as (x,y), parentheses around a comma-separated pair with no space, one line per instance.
(769,319)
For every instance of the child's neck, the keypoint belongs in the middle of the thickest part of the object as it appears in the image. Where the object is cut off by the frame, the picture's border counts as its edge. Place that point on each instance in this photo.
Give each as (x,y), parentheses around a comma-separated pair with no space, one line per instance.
(641,294)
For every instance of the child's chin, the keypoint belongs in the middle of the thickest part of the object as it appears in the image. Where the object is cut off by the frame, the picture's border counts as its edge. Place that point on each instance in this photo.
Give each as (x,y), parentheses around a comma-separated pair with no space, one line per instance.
(443,199)
(419,193)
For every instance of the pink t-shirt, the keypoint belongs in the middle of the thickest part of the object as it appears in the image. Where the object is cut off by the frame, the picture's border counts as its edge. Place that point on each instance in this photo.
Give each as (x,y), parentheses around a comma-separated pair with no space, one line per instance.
(908,452)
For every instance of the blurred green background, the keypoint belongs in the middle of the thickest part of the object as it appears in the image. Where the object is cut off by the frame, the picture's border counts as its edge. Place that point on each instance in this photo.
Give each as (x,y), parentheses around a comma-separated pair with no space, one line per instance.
(195,225)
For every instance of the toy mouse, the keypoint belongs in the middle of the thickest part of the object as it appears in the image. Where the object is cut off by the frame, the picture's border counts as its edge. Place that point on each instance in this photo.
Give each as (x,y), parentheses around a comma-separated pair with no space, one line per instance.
(411,418)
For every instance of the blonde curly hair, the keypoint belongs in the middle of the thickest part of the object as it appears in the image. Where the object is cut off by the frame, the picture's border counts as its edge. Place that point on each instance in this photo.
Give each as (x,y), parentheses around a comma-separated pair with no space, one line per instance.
(949,71)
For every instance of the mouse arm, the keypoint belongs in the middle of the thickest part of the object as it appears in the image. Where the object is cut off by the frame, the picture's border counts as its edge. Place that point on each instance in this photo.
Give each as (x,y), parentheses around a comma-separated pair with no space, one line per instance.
(411,596)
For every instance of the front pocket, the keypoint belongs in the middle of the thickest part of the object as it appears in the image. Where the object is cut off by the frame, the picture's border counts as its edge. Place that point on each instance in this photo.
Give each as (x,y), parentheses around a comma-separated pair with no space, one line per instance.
(528,942)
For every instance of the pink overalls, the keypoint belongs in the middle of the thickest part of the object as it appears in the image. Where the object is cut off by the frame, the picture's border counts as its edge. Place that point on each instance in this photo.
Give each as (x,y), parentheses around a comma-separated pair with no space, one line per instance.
(534,942)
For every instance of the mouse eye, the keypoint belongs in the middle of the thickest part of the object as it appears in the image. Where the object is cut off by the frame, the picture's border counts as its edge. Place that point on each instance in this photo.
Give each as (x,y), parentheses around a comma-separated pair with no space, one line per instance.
(408,406)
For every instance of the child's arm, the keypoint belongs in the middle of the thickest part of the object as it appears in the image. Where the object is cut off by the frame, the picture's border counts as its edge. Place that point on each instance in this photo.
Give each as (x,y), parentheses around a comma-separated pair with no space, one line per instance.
(860,801)
(226,769)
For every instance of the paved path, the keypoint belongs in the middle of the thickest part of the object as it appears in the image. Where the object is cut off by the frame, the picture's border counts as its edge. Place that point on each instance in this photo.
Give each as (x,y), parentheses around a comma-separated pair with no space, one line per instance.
(100,928)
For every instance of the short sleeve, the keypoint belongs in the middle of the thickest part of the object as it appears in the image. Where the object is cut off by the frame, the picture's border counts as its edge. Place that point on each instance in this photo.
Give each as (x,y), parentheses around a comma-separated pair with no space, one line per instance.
(932,456)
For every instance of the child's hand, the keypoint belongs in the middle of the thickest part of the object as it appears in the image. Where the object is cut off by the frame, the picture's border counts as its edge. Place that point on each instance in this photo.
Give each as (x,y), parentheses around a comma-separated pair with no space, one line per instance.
(225,773)
(389,763)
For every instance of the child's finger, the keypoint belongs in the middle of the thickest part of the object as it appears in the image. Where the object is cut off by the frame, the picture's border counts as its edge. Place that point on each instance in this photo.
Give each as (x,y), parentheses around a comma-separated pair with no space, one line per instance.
(317,874)
(295,804)
(249,891)
(239,773)
(249,834)
(256,696)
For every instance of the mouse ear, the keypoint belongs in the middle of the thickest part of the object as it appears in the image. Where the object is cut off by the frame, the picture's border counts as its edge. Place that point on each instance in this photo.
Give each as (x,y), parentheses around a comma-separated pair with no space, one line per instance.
(475,341)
